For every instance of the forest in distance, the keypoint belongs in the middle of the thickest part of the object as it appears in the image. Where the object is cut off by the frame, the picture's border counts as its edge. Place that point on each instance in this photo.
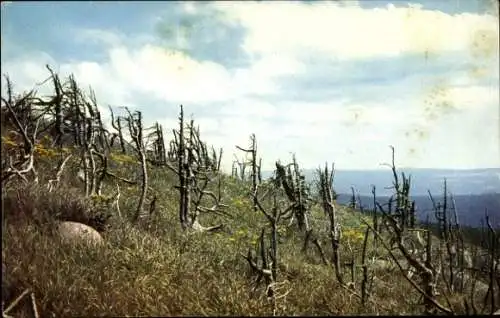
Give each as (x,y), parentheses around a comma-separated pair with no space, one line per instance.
(471,209)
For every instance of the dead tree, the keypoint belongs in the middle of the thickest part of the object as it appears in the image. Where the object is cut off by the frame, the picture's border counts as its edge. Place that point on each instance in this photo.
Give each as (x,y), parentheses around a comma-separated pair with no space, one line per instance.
(135,128)
(116,124)
(102,133)
(24,162)
(172,150)
(297,192)
(81,119)
(157,156)
(234,170)
(493,292)
(463,260)
(353,203)
(326,191)
(268,268)
(405,208)
(241,165)
(68,117)
(422,265)
(88,162)
(53,183)
(58,107)
(451,238)
(196,169)
(255,167)
(75,116)
(367,280)
(94,144)
(89,135)
(311,237)
(185,173)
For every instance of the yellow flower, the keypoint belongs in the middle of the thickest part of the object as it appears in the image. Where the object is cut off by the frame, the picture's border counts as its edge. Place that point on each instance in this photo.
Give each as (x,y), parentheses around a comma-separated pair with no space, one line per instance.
(354,235)
(99,198)
(8,141)
(121,158)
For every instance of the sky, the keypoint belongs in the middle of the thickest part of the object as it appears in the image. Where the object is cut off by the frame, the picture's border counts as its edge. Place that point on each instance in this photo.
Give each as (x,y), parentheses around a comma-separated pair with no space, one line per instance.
(328,81)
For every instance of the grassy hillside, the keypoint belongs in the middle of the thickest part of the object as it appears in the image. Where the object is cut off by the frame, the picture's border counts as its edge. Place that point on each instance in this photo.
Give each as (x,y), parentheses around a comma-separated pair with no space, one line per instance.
(155,267)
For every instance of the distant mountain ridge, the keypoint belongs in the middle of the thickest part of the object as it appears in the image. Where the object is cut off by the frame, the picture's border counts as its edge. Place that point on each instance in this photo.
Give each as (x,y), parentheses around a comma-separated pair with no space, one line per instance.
(470,208)
(475,191)
(460,182)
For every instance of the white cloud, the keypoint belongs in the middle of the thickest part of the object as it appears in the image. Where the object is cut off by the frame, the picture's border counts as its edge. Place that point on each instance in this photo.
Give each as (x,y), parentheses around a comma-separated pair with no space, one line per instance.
(353,32)
(259,77)
(248,108)
(28,70)
(170,75)
(473,96)
(354,135)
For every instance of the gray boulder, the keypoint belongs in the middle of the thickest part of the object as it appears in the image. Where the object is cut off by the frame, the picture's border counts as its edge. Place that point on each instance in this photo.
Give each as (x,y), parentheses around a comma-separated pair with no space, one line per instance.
(72,232)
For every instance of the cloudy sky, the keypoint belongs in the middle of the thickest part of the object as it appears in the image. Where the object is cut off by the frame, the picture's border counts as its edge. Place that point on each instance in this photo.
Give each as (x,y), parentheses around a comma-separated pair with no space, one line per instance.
(329,81)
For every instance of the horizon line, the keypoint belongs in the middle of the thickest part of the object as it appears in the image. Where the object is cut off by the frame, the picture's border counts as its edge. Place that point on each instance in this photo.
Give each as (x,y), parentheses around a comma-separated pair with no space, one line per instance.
(404,168)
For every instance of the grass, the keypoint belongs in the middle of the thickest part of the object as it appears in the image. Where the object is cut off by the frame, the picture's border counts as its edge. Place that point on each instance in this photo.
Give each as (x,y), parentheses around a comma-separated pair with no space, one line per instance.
(157,269)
